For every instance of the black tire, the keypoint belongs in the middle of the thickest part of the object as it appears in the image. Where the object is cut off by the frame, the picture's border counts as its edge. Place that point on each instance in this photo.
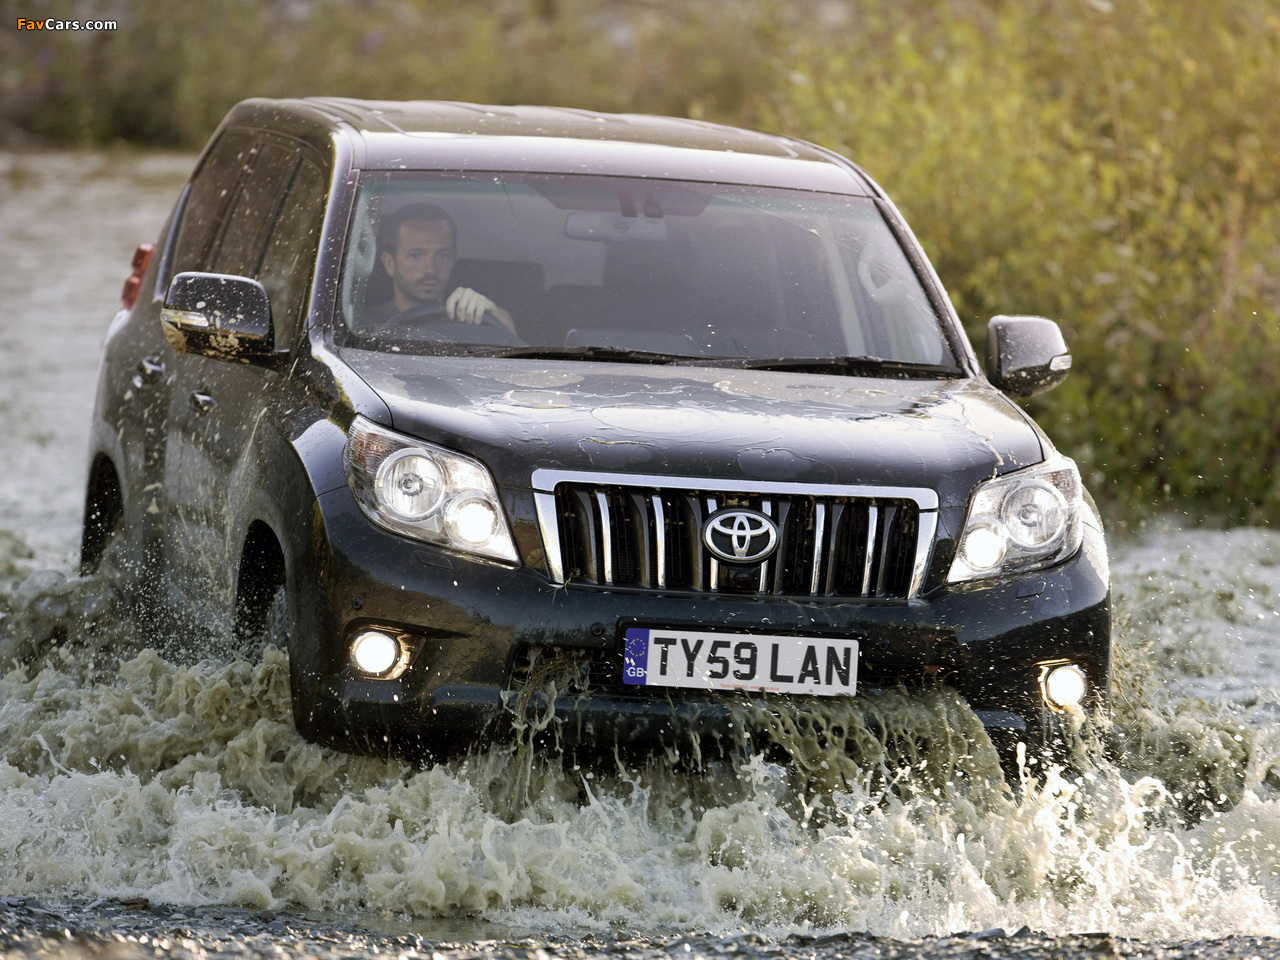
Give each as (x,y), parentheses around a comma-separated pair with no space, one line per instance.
(266,616)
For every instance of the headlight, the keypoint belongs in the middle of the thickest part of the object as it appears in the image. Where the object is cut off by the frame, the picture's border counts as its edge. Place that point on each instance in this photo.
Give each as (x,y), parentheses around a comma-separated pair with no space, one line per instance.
(1021,521)
(426,492)
(409,485)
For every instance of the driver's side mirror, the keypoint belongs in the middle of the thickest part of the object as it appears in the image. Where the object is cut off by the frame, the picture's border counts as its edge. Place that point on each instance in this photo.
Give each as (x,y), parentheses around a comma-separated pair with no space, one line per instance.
(1026,355)
(218,316)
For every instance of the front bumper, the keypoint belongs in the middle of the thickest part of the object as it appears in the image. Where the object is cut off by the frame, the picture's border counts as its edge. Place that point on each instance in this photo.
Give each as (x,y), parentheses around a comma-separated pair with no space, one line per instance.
(475,626)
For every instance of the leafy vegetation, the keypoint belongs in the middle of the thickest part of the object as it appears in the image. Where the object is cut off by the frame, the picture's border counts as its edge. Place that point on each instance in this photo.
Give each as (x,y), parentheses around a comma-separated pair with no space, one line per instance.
(1109,164)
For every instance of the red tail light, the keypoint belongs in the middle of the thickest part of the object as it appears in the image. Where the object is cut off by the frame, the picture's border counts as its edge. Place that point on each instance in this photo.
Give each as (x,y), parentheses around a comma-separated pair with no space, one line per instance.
(141,257)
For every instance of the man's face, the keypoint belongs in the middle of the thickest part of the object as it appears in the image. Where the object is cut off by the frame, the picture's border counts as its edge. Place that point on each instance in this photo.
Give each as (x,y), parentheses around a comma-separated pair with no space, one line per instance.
(420,267)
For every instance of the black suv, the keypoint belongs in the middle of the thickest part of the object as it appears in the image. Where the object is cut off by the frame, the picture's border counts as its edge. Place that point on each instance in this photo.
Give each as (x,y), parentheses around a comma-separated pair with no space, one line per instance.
(441,394)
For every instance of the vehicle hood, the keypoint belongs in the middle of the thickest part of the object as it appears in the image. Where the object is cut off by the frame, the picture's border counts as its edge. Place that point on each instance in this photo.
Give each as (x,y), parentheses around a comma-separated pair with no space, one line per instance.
(521,415)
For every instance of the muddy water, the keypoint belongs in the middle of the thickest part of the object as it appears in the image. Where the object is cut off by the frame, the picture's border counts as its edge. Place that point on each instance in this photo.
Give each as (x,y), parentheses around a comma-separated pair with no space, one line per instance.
(167,807)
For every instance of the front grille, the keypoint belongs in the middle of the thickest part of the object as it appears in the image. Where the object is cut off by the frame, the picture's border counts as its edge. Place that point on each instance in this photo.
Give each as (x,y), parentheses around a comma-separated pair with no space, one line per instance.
(832,542)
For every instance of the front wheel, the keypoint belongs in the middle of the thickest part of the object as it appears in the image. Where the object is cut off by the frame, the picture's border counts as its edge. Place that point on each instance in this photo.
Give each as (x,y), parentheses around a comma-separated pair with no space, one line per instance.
(267,618)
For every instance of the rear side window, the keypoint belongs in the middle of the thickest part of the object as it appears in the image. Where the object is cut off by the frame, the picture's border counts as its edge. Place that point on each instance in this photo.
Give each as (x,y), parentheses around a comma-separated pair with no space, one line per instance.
(211,190)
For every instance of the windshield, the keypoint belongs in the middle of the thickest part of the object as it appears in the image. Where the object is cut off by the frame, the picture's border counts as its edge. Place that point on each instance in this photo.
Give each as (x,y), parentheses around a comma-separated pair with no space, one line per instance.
(595,266)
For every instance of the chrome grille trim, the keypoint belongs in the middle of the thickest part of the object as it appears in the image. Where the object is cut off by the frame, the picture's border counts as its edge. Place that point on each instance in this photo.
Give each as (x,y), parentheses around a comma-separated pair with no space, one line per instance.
(819,535)
(763,584)
(889,511)
(545,503)
(714,578)
(654,508)
(606,535)
(660,539)
(784,513)
(873,516)
(546,479)
(924,547)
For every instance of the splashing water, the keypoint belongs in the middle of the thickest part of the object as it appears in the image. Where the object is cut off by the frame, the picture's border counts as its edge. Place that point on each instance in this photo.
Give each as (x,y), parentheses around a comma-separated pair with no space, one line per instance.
(137,775)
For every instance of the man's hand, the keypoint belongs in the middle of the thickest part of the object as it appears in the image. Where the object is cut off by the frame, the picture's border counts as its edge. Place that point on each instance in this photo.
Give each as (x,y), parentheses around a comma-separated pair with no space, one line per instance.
(469,306)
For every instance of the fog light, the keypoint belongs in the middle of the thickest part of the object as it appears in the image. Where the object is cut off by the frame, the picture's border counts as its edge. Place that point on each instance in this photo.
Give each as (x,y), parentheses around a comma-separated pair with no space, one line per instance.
(375,653)
(1065,686)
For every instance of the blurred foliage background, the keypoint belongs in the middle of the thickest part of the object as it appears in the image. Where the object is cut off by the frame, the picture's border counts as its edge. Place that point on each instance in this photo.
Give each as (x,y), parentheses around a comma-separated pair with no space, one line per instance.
(1113,164)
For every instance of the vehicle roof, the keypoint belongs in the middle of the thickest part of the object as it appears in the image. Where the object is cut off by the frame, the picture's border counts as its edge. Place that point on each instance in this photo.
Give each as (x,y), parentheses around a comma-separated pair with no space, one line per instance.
(446,135)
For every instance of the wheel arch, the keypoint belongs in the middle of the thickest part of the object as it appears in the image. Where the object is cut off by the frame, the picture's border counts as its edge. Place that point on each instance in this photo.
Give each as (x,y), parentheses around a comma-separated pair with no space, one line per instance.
(276,537)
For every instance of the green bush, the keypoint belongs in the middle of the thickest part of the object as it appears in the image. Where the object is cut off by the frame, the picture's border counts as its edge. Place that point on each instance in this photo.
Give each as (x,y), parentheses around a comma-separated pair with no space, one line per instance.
(170,71)
(1111,166)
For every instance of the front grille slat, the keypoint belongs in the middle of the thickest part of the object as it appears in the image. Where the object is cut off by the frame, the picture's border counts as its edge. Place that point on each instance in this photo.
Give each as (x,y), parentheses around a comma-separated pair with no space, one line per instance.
(713,573)
(762,583)
(659,538)
(636,506)
(873,520)
(583,553)
(833,544)
(819,536)
(648,537)
(890,513)
(606,536)
(692,542)
(779,562)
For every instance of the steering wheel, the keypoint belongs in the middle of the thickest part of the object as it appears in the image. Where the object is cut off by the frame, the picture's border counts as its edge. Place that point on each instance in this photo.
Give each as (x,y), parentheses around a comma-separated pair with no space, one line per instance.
(434,312)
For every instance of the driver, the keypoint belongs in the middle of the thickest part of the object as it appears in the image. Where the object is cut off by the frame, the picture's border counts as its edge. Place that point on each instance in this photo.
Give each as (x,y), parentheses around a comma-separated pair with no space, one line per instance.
(417,247)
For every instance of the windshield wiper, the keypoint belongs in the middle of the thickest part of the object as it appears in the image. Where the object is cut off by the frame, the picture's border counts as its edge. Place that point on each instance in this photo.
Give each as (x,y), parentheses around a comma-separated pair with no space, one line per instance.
(849,365)
(609,354)
(852,365)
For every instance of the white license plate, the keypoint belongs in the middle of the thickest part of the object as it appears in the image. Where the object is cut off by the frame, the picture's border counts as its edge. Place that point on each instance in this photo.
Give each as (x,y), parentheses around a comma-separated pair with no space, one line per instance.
(826,666)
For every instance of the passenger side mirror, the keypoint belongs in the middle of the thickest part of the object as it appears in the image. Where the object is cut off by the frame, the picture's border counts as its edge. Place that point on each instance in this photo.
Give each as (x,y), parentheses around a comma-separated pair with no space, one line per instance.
(223,317)
(1026,355)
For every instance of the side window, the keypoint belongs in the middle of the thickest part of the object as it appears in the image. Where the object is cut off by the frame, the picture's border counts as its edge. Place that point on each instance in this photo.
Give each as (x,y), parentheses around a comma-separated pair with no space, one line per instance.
(253,210)
(213,187)
(290,256)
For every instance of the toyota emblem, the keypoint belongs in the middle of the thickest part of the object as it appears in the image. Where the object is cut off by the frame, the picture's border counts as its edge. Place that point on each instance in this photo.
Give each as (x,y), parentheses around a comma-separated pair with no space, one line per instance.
(740,536)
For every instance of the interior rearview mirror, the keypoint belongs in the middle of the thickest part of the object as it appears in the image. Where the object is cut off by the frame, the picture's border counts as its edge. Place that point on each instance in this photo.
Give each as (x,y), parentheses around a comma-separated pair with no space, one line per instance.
(613,227)
(1026,355)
